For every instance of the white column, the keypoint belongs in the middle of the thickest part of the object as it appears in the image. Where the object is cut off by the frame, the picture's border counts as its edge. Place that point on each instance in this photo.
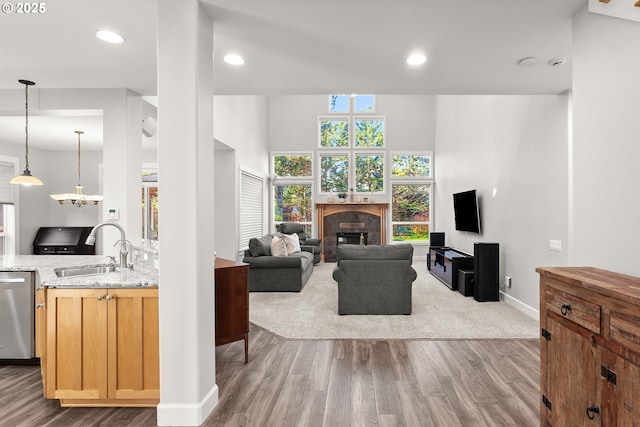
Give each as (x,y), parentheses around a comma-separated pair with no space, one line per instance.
(188,392)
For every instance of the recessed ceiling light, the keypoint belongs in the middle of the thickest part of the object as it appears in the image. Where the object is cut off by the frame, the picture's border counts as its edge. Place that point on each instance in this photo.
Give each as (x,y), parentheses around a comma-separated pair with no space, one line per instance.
(109,36)
(557,61)
(234,59)
(416,59)
(527,62)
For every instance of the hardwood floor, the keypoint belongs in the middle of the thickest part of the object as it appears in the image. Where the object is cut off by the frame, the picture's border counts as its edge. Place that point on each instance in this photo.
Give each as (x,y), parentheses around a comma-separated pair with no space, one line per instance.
(331,383)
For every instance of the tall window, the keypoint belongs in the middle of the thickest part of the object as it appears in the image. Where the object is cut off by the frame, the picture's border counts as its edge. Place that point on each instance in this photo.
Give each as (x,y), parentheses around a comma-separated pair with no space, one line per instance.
(411,186)
(349,134)
(251,207)
(292,188)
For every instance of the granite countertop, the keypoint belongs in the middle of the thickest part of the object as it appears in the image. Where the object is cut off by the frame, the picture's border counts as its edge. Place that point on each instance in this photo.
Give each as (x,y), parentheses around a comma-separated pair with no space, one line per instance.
(44,265)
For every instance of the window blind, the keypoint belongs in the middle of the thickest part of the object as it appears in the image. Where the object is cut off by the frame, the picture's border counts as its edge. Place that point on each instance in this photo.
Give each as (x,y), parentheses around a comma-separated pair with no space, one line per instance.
(7,172)
(251,207)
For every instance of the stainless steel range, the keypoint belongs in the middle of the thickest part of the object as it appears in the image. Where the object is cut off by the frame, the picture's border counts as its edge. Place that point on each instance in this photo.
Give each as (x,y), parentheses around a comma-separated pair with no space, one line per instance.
(17,315)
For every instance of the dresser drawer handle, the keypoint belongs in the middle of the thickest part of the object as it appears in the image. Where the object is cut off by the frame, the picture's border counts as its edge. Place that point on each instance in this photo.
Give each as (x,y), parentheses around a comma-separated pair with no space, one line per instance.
(564,309)
(592,411)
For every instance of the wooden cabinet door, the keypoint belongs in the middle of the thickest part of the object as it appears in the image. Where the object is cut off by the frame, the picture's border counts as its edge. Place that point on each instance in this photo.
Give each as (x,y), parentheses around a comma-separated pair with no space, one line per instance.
(232,303)
(76,349)
(134,367)
(572,370)
(621,394)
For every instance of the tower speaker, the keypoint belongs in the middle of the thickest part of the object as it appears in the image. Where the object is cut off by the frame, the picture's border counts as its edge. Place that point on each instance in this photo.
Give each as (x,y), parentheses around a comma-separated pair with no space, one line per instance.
(486,271)
(436,239)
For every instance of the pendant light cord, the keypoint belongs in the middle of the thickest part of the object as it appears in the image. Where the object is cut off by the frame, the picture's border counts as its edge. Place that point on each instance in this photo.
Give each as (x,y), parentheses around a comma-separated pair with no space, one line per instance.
(78,157)
(26,126)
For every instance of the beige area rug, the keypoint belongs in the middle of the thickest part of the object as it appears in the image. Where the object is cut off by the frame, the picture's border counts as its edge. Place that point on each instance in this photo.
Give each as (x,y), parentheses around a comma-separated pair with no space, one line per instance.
(437,313)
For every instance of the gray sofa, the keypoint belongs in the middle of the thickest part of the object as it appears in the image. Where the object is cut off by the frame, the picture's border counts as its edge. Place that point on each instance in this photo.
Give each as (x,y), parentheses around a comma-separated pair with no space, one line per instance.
(269,273)
(306,243)
(374,279)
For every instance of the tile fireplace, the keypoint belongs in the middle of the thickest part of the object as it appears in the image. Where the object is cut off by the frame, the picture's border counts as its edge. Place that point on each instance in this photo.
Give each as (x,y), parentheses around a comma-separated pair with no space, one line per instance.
(352,219)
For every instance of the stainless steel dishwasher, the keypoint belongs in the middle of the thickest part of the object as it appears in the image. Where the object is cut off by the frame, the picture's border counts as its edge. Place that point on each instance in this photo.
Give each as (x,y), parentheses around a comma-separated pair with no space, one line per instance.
(17,317)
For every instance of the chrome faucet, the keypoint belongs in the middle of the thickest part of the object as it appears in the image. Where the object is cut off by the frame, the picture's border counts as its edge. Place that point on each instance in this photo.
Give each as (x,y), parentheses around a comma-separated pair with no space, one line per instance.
(91,240)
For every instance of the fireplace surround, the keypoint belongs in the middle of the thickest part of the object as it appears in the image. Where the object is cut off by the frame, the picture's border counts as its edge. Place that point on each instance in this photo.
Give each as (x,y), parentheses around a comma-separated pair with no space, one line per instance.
(334,218)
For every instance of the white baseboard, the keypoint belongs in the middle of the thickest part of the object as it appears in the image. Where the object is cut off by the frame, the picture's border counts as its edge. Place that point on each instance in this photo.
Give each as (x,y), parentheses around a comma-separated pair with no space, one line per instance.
(519,305)
(185,414)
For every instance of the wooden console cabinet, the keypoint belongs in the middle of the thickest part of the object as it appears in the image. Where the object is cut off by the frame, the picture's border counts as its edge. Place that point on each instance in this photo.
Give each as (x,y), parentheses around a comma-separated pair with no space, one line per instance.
(232,303)
(102,347)
(589,348)
(445,263)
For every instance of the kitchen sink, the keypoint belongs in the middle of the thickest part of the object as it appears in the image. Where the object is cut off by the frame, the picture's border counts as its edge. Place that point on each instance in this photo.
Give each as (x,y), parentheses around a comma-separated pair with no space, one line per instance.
(84,270)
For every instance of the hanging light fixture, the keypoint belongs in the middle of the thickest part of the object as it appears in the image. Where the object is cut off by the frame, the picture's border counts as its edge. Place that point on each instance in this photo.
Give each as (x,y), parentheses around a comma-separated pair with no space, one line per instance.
(78,199)
(26,178)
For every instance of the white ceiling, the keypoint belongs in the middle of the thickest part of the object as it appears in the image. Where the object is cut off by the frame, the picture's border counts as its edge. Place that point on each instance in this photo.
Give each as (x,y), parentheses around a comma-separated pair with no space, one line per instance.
(291,47)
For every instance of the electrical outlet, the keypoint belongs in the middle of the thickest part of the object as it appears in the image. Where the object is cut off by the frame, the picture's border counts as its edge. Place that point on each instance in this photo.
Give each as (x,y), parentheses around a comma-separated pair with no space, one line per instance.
(508,281)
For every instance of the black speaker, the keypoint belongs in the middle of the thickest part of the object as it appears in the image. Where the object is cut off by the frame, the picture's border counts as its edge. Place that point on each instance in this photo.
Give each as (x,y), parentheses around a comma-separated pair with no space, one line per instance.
(486,271)
(436,239)
(465,282)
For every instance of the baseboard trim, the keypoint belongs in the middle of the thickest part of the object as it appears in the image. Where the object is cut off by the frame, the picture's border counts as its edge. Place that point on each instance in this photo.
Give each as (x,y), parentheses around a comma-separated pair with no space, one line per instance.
(185,414)
(519,305)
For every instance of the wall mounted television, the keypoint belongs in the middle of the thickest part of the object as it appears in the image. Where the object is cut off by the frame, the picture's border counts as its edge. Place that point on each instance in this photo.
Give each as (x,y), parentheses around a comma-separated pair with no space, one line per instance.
(466,211)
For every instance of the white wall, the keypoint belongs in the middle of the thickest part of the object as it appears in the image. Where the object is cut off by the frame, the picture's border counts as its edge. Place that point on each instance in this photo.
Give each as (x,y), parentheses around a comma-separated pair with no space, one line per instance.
(515,146)
(409,125)
(606,147)
(241,131)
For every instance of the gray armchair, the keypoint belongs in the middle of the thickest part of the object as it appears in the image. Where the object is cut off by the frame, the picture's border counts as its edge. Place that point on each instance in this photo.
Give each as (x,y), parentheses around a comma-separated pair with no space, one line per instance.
(312,245)
(374,279)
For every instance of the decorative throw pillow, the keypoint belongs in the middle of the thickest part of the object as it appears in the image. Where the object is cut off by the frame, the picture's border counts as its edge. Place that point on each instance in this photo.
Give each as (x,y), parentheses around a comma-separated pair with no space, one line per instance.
(278,246)
(293,243)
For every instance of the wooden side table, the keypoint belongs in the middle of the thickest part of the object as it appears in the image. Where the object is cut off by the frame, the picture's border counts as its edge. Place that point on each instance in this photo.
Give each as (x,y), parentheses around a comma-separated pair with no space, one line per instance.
(232,303)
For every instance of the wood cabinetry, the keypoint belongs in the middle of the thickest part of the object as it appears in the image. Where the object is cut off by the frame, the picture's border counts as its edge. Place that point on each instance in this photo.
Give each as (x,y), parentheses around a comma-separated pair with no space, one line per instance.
(232,303)
(590,347)
(102,347)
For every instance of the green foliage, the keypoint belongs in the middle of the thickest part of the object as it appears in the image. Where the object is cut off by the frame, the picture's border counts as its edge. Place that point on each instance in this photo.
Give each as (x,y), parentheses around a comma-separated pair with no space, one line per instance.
(410,166)
(292,165)
(334,171)
(369,172)
(369,133)
(292,203)
(334,133)
(410,202)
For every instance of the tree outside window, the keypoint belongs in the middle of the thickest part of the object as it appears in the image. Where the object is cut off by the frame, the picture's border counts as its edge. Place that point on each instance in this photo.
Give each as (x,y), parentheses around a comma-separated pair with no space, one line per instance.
(410,211)
(334,133)
(292,165)
(334,172)
(292,203)
(411,165)
(370,173)
(369,133)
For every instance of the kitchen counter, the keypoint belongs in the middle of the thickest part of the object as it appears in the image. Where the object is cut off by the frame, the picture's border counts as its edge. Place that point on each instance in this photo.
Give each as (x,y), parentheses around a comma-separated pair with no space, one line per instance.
(44,265)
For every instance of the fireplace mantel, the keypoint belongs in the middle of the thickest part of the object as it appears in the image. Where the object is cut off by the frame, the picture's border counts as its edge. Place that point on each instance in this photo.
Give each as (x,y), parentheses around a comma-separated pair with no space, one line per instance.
(326,209)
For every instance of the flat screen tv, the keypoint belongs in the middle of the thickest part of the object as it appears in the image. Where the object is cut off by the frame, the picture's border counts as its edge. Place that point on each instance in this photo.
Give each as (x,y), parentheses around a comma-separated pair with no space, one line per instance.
(467,214)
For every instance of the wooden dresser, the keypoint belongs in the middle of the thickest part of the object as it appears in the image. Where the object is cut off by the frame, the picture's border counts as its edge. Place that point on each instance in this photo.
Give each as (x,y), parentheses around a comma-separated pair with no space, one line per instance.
(589,348)
(232,303)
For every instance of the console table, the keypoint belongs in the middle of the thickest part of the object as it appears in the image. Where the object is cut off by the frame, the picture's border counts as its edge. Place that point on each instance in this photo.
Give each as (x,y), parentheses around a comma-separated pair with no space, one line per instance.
(445,263)
(232,303)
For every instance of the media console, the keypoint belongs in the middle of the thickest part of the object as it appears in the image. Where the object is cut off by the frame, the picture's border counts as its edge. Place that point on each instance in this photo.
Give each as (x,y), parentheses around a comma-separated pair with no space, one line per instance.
(444,263)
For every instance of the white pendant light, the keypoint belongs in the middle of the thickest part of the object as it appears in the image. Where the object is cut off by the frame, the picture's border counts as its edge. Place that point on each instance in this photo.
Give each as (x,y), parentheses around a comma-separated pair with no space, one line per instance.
(26,178)
(78,199)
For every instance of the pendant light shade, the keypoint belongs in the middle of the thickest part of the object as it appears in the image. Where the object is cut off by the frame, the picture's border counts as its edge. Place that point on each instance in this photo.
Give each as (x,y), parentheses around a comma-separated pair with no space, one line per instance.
(78,199)
(26,178)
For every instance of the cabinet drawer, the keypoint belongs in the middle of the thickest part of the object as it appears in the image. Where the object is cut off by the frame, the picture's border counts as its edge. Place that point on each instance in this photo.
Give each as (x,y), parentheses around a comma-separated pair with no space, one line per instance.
(584,313)
(625,330)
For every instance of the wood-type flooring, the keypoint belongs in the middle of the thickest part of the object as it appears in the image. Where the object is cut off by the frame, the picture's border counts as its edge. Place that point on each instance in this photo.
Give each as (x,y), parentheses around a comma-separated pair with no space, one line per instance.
(330,383)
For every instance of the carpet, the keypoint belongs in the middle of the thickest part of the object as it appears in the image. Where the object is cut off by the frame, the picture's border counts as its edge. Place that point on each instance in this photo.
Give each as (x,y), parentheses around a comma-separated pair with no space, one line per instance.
(437,313)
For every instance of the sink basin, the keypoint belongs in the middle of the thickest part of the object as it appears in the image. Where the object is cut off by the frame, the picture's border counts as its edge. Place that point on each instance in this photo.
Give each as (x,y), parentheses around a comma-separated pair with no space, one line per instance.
(84,270)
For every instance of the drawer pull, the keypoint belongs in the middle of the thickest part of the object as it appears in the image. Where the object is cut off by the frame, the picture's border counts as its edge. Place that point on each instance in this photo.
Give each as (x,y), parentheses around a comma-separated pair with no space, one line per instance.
(592,411)
(564,309)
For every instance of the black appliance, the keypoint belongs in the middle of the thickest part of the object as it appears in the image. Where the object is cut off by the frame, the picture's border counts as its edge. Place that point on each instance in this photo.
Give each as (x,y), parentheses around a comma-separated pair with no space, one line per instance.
(62,240)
